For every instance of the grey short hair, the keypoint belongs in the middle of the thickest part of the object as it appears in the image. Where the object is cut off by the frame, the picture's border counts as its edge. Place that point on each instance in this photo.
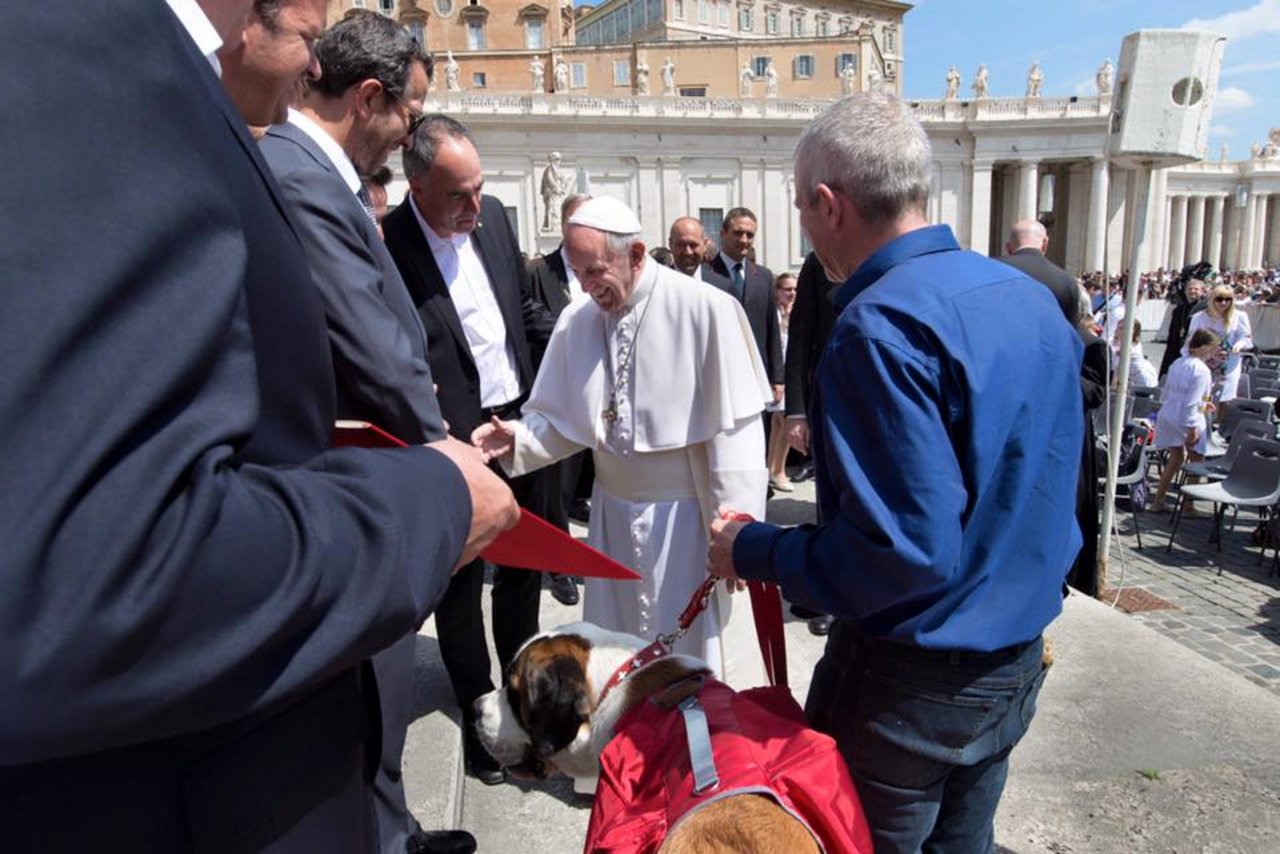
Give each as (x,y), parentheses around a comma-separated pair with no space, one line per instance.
(435,129)
(620,244)
(872,149)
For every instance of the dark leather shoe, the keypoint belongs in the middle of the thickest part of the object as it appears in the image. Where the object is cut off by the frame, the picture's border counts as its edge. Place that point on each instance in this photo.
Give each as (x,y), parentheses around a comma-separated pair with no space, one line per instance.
(479,763)
(821,626)
(580,510)
(440,842)
(564,589)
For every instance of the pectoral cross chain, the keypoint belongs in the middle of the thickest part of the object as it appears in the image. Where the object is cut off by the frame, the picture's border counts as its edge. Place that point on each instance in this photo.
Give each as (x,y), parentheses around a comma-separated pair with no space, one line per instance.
(610,414)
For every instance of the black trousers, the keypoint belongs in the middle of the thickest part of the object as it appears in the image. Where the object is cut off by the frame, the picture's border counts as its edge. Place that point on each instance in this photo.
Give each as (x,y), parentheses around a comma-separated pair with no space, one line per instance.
(459,620)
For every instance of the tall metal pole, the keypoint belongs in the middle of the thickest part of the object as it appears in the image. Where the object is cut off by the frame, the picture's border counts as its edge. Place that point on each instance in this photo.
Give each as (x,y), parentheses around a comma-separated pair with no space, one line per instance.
(1140,241)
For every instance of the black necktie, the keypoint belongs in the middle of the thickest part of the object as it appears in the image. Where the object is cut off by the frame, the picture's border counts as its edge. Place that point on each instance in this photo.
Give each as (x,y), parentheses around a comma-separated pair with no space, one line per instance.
(363,195)
(739,281)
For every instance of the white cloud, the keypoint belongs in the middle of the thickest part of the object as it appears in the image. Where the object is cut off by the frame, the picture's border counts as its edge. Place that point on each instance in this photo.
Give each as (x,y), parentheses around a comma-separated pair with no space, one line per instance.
(1260,18)
(1221,131)
(1252,67)
(1232,99)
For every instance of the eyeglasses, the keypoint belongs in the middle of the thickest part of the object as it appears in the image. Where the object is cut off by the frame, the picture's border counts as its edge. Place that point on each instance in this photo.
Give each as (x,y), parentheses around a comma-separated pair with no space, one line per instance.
(415,118)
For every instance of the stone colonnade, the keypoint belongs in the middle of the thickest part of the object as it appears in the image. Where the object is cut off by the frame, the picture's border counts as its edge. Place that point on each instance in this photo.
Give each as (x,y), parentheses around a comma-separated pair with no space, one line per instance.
(1239,230)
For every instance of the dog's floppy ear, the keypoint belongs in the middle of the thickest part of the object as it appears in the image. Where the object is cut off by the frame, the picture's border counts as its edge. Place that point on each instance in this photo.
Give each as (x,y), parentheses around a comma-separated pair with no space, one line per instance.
(556,704)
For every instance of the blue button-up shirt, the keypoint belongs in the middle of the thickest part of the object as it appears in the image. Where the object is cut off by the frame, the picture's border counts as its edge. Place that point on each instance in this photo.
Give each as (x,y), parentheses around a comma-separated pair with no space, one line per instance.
(947,429)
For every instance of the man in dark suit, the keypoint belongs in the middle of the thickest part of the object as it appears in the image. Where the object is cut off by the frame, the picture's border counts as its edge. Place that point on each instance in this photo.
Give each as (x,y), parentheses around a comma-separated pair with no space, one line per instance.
(555,286)
(812,318)
(191,579)
(1025,250)
(461,263)
(687,242)
(752,285)
(372,82)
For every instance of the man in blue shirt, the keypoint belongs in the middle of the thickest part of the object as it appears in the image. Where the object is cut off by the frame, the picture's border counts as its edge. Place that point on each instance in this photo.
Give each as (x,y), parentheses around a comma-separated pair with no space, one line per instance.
(946,427)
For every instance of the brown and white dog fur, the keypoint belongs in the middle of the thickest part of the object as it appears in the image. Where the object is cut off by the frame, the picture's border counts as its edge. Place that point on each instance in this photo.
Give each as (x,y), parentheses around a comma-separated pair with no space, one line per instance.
(547,718)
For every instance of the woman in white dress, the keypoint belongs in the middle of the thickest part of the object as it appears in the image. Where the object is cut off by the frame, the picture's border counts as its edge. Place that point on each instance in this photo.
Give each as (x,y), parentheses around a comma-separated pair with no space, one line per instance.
(1232,329)
(784,294)
(1181,425)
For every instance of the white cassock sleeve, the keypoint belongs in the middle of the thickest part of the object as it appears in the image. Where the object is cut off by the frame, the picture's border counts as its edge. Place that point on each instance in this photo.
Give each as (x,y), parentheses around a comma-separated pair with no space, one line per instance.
(737,476)
(537,444)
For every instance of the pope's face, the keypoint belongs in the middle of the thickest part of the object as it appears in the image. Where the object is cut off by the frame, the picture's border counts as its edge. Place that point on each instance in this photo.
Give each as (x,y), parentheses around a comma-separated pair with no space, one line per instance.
(608,278)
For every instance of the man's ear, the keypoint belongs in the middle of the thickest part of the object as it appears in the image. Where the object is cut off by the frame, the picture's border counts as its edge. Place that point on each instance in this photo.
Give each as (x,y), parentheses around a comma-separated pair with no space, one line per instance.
(365,95)
(829,205)
(638,253)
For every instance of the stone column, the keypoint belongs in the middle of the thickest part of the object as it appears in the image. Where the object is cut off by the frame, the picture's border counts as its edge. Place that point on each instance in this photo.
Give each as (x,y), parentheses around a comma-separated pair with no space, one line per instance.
(1216,223)
(1195,236)
(1260,229)
(1096,231)
(1245,258)
(1273,248)
(980,207)
(1028,185)
(1178,233)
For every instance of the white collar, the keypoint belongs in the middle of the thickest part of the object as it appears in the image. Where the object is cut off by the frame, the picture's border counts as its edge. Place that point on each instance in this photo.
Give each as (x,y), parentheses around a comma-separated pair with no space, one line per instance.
(201,30)
(729,263)
(329,146)
(435,241)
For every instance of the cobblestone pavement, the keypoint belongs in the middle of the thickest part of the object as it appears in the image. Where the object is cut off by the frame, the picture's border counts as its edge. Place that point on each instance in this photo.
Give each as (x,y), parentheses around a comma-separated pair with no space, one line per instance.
(1224,604)
(1232,618)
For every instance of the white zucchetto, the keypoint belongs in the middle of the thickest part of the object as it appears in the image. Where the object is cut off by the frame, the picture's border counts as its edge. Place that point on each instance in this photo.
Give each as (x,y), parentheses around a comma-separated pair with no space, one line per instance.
(605,213)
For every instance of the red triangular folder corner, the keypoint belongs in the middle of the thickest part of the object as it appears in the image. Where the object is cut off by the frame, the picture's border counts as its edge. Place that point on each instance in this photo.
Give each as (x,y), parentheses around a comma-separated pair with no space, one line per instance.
(533,543)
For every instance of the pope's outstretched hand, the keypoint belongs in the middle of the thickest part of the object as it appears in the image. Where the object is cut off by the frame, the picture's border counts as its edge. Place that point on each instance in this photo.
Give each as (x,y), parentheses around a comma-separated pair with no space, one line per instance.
(495,440)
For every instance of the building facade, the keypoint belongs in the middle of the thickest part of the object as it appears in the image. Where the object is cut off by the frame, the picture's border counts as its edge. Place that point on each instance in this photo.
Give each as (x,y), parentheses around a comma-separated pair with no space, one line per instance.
(638,47)
(674,113)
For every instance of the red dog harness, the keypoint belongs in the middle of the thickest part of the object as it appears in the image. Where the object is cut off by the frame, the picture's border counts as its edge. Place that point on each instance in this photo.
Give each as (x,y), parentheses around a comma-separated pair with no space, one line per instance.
(666,763)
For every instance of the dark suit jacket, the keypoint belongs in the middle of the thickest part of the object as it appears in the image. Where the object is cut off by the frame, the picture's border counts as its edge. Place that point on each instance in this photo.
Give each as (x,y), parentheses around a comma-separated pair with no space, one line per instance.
(190,582)
(527,321)
(1063,285)
(711,277)
(762,313)
(549,281)
(379,347)
(813,316)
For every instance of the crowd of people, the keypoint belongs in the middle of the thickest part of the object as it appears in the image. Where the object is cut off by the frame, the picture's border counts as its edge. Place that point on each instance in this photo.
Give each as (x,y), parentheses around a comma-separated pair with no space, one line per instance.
(211,611)
(1249,286)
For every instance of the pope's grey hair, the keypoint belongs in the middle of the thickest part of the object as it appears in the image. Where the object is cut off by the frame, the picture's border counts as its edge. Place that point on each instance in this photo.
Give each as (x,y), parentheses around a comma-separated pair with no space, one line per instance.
(620,244)
(872,149)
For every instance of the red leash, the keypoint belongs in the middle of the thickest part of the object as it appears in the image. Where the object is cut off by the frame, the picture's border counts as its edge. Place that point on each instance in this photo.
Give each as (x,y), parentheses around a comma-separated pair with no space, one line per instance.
(766,609)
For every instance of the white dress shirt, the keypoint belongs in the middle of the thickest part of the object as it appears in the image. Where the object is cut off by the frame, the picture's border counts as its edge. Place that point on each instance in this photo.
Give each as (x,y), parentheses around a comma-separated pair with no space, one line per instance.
(201,30)
(729,264)
(477,306)
(329,146)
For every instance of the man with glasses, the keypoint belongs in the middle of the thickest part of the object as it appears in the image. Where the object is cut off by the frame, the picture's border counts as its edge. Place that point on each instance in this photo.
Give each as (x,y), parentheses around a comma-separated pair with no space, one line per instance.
(366,102)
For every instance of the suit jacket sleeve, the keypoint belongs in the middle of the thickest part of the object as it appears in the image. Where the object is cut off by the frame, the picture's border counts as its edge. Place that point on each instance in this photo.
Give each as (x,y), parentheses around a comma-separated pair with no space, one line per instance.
(1093,371)
(153,583)
(373,354)
(801,329)
(773,343)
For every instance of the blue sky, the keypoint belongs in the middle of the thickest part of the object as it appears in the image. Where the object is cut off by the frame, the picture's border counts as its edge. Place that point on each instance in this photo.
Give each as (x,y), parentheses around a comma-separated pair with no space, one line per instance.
(1070,38)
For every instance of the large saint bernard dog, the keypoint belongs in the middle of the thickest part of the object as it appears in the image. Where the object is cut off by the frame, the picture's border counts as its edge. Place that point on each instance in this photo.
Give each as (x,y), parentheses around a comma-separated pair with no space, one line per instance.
(549,717)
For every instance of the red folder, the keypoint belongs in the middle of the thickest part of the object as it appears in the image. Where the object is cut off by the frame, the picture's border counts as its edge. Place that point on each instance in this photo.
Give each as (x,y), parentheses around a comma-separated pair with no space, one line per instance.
(534,543)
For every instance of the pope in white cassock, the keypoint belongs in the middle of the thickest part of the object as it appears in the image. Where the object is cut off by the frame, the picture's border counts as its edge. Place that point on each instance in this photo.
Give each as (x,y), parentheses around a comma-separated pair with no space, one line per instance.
(659,376)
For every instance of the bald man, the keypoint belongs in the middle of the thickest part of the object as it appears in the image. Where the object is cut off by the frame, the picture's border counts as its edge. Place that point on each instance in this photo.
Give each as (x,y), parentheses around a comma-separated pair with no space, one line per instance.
(687,242)
(1026,247)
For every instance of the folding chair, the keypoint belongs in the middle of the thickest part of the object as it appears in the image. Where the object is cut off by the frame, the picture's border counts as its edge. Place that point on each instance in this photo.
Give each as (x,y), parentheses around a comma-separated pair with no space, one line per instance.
(1243,407)
(1269,363)
(1254,481)
(1218,467)
(1128,480)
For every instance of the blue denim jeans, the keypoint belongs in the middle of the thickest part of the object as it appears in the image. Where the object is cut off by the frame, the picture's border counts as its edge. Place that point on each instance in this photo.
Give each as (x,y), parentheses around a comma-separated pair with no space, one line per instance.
(926,734)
